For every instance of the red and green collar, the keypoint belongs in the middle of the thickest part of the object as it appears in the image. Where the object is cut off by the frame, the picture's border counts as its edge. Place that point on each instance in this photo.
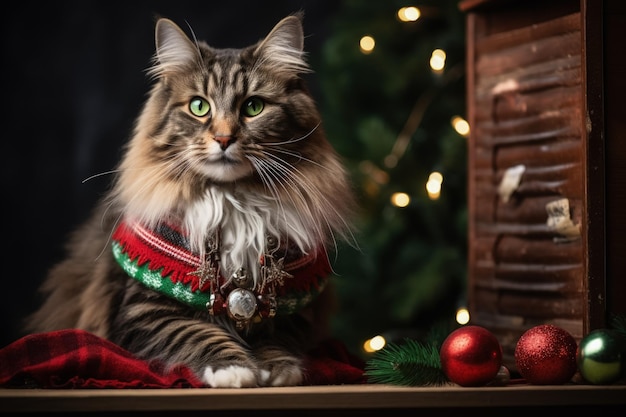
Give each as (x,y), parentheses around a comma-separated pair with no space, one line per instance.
(162,260)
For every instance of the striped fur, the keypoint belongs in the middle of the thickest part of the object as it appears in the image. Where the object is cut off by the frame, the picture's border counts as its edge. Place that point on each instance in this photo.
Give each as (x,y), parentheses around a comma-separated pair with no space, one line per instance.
(247,174)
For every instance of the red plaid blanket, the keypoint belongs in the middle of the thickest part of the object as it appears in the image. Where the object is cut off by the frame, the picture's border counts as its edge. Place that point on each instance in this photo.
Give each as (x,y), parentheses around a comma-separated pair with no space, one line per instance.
(78,359)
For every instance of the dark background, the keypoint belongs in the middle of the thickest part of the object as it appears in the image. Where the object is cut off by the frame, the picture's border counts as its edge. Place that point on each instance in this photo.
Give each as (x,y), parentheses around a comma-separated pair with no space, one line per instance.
(73,82)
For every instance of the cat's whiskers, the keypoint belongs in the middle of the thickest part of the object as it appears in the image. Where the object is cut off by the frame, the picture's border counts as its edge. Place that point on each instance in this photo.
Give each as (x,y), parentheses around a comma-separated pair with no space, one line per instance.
(270,184)
(293,173)
(286,177)
(111,172)
(270,176)
(294,140)
(299,156)
(299,182)
(101,174)
(301,179)
(289,175)
(195,40)
(282,174)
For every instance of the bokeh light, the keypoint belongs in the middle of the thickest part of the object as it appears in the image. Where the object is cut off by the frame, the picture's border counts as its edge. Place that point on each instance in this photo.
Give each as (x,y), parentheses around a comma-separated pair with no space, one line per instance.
(462,316)
(400,199)
(433,185)
(461,125)
(374,344)
(409,14)
(438,60)
(367,44)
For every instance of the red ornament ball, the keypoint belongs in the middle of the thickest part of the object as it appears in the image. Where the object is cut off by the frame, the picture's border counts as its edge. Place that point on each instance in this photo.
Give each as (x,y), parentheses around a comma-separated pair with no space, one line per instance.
(546,355)
(471,356)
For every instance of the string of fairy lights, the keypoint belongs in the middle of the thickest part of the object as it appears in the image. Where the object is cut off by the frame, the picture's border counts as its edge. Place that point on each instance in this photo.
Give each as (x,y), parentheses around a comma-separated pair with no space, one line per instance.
(437,62)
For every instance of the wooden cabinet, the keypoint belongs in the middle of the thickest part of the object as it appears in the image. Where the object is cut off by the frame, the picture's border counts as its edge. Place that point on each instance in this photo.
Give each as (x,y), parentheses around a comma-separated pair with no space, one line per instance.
(547,165)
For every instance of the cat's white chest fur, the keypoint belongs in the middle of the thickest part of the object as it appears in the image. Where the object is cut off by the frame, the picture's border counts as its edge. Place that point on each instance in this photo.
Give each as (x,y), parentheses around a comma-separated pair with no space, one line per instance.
(243,220)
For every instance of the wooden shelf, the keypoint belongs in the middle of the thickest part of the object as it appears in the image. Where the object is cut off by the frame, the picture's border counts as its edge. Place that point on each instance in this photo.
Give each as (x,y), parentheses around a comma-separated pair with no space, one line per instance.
(340,400)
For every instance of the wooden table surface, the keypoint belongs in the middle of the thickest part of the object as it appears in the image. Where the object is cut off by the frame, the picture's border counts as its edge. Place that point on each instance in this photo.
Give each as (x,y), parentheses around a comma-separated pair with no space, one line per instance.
(316,400)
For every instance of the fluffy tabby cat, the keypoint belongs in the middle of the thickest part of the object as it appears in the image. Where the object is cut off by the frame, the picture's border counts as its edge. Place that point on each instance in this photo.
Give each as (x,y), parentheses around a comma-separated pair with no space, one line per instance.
(211,248)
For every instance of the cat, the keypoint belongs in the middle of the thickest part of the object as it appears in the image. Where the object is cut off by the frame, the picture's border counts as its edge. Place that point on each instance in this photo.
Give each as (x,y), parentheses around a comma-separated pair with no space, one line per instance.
(211,248)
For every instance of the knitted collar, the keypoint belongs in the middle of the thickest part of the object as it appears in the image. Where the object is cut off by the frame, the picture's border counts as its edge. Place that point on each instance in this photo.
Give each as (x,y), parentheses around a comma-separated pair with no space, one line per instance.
(162,260)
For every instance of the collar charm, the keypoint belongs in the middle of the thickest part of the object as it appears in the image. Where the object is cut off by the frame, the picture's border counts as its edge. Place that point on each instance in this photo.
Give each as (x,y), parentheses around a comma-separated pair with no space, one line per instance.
(239,297)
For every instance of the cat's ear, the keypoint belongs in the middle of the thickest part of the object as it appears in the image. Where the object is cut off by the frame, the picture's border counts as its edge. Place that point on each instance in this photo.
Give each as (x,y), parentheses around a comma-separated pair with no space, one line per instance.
(283,48)
(174,50)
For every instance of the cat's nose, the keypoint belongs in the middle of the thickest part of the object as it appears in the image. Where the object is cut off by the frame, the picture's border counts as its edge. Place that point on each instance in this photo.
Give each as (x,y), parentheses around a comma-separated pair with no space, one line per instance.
(224,140)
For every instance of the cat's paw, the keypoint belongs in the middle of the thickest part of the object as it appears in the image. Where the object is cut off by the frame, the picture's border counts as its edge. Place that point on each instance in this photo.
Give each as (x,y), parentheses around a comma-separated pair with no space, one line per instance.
(232,376)
(281,375)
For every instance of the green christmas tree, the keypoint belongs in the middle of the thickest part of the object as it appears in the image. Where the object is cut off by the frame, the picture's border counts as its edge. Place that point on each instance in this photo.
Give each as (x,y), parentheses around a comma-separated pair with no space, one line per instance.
(389,114)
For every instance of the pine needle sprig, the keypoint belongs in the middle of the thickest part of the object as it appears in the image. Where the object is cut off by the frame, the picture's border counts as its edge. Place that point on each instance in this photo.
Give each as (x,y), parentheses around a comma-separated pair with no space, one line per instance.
(410,364)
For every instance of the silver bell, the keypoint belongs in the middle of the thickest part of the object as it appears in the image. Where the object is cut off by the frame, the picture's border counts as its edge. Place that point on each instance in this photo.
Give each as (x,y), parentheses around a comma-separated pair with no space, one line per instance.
(240,278)
(241,305)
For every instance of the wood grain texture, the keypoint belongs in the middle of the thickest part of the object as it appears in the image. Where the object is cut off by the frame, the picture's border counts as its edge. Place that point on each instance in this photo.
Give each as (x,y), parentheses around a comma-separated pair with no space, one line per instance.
(526,108)
(314,400)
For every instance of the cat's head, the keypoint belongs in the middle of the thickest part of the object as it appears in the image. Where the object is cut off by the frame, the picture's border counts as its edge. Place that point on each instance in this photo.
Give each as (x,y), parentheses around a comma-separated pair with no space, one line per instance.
(233,118)
(218,109)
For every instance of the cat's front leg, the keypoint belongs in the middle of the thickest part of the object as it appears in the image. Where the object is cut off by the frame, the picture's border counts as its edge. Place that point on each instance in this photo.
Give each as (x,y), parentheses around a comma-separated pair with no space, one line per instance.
(154,327)
(217,358)
(279,367)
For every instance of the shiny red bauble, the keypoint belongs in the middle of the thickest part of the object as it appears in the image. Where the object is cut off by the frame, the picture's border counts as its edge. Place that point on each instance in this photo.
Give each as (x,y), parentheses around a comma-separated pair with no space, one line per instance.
(546,355)
(471,356)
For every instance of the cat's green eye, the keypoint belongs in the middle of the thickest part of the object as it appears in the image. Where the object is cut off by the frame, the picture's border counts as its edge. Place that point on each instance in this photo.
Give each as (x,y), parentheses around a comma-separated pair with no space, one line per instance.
(252,106)
(199,107)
